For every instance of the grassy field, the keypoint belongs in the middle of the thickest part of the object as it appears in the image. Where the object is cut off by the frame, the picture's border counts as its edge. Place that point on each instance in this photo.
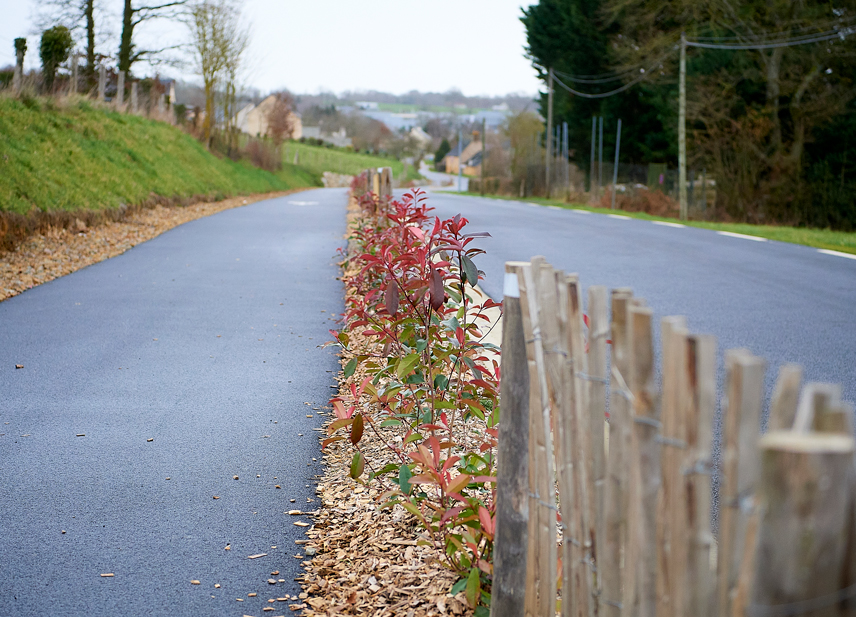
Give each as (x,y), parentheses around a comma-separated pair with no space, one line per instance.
(318,159)
(70,155)
(818,238)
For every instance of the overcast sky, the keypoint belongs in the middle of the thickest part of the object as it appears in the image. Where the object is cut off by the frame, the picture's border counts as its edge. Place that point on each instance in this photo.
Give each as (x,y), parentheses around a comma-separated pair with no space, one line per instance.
(394,46)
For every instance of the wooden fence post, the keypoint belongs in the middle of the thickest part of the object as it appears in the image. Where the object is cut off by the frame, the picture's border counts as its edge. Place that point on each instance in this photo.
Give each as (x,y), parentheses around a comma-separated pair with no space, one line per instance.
(640,593)
(740,465)
(701,573)
(805,497)
(102,83)
(135,96)
(615,492)
(670,523)
(542,554)
(597,382)
(120,90)
(582,457)
(512,492)
(816,399)
(783,407)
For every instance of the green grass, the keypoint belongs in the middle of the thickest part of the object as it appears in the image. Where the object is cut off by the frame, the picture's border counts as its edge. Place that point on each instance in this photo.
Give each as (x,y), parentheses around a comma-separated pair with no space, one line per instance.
(70,155)
(318,159)
(842,241)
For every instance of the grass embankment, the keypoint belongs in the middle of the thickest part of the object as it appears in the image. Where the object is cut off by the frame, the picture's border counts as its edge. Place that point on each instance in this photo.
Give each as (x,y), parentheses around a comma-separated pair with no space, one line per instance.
(318,159)
(842,241)
(72,156)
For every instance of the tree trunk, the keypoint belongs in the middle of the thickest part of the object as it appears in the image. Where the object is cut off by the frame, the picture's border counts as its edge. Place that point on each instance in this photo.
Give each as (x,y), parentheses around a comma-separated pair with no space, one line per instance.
(125,46)
(774,64)
(89,12)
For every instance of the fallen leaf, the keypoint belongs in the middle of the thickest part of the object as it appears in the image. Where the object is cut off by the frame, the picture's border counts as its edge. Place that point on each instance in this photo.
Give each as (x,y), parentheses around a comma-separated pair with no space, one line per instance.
(278,486)
(257,556)
(295,512)
(216,585)
(271,581)
(301,524)
(80,435)
(108,575)
(19,366)
(216,497)
(195,582)
(274,573)
(150,439)
(252,595)
(234,477)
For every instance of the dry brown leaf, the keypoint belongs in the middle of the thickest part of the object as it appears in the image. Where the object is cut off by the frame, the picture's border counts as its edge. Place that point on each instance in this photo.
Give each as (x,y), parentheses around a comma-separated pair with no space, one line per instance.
(301,524)
(195,582)
(107,575)
(257,556)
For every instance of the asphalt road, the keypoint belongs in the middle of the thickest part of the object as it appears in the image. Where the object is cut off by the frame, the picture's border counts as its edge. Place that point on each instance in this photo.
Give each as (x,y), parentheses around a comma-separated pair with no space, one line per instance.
(185,361)
(784,302)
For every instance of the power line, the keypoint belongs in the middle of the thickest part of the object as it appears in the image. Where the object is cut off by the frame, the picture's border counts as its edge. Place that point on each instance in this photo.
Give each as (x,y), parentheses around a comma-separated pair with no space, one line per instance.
(831,25)
(627,86)
(803,40)
(596,79)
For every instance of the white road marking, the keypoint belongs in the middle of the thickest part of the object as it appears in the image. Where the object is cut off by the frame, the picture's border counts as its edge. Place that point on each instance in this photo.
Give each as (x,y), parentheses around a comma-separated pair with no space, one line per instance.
(731,234)
(580,211)
(619,216)
(836,253)
(303,203)
(668,224)
(555,208)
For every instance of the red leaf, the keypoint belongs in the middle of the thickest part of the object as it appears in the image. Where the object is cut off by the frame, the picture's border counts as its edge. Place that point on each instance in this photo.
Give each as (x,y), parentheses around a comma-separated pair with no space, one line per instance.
(391,298)
(435,286)
(357,429)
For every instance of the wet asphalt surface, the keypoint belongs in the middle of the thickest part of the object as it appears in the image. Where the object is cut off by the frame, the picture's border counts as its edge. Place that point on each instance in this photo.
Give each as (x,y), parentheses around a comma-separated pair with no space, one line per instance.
(184,362)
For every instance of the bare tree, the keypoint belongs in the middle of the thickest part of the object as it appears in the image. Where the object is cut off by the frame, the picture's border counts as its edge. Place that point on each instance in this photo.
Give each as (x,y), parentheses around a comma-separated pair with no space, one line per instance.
(234,44)
(218,41)
(280,118)
(134,16)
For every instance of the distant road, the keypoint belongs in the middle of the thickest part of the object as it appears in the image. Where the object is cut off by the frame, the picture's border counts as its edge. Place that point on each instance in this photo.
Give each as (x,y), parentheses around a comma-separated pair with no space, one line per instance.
(151,381)
(784,302)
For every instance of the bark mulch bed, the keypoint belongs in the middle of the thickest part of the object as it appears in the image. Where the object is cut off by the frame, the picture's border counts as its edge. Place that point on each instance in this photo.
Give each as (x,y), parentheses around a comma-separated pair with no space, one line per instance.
(59,251)
(361,559)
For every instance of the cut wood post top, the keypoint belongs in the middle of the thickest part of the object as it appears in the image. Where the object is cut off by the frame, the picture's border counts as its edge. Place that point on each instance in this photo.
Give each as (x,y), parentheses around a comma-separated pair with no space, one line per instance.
(816,398)
(783,405)
(807,443)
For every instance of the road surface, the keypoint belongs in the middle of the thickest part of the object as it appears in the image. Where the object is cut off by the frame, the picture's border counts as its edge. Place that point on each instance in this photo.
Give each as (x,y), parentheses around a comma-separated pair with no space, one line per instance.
(149,382)
(784,302)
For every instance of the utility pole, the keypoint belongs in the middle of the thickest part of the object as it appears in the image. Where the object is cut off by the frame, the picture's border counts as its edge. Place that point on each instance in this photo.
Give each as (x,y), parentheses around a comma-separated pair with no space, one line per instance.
(600,156)
(460,158)
(615,168)
(682,129)
(591,166)
(483,153)
(549,126)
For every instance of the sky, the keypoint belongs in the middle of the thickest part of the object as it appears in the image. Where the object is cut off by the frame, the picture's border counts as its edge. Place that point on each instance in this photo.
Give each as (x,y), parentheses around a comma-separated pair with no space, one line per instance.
(308,46)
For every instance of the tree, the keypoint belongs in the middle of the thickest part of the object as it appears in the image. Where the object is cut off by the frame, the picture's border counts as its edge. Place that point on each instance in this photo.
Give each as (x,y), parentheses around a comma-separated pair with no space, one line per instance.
(20,50)
(133,17)
(750,113)
(74,15)
(442,151)
(280,118)
(218,39)
(53,51)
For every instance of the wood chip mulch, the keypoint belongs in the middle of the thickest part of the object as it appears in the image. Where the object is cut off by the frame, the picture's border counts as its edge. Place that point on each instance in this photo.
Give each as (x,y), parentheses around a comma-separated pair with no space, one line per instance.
(361,559)
(44,257)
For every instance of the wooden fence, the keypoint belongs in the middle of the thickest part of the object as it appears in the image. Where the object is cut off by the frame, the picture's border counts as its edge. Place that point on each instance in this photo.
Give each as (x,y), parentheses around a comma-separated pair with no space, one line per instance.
(604,480)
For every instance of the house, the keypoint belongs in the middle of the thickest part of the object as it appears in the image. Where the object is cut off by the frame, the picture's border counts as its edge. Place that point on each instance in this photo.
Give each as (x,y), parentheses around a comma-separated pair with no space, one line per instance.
(420,137)
(252,119)
(471,157)
(338,138)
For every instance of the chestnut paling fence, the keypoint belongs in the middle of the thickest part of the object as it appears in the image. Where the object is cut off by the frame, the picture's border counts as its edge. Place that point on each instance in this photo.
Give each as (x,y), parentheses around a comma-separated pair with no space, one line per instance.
(613,518)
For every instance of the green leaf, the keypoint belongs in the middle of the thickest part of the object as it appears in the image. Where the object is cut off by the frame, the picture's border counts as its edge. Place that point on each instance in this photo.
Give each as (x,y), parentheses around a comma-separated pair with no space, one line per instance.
(458,587)
(482,611)
(404,476)
(421,345)
(357,465)
(387,468)
(413,437)
(473,586)
(441,382)
(391,422)
(406,364)
(470,270)
(350,367)
(357,429)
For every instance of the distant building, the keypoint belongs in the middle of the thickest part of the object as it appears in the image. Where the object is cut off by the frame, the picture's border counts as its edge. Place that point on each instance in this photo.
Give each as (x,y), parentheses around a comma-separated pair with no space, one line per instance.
(366,105)
(471,157)
(338,138)
(252,119)
(421,137)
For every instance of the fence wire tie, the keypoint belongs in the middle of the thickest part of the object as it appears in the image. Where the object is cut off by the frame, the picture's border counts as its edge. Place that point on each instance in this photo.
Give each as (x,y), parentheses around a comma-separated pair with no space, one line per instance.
(744,501)
(535,338)
(558,352)
(802,607)
(617,605)
(622,393)
(599,334)
(537,498)
(648,421)
(671,441)
(702,467)
(588,377)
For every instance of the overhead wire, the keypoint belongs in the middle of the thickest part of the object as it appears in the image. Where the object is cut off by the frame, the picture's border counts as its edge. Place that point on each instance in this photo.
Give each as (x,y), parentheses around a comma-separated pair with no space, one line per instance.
(773,44)
(602,95)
